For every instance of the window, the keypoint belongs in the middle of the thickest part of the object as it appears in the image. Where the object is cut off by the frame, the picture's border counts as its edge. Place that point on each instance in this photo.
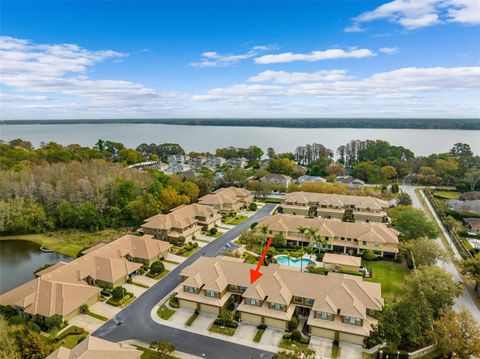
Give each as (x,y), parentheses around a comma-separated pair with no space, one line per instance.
(277,306)
(297,299)
(324,315)
(243,289)
(189,289)
(211,293)
(364,243)
(252,301)
(377,244)
(352,320)
(309,301)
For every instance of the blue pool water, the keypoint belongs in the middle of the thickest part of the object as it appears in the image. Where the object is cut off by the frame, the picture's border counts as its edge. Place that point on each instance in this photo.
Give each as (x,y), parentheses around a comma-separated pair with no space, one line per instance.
(293,262)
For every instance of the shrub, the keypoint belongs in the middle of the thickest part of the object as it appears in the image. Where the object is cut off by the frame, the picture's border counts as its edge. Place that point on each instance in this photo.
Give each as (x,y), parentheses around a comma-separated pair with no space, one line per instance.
(34,327)
(262,326)
(368,255)
(157,267)
(174,302)
(118,293)
(252,206)
(178,241)
(15,320)
(7,311)
(53,322)
(319,256)
(162,347)
(213,231)
(84,308)
(106,292)
(287,335)
(296,335)
(73,330)
(253,225)
(293,324)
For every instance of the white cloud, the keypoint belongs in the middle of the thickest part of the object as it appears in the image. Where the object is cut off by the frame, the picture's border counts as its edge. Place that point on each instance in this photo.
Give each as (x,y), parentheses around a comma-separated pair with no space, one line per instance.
(215,59)
(314,56)
(413,14)
(389,50)
(284,77)
(354,28)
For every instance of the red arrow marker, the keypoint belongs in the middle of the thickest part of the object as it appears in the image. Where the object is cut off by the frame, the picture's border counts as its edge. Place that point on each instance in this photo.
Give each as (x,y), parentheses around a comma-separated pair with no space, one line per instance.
(254,273)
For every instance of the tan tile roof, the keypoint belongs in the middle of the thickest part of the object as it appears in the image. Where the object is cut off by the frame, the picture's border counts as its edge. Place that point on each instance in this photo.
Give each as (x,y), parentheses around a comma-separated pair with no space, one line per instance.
(61,288)
(96,348)
(370,232)
(342,259)
(222,196)
(49,269)
(336,200)
(180,217)
(349,294)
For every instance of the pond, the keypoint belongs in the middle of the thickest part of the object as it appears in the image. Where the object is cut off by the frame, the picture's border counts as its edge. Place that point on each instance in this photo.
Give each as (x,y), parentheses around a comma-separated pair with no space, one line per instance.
(19,259)
(293,262)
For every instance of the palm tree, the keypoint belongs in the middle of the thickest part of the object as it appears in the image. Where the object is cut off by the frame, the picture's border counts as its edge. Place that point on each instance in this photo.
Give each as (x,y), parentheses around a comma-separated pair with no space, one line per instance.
(302,230)
(264,230)
(311,232)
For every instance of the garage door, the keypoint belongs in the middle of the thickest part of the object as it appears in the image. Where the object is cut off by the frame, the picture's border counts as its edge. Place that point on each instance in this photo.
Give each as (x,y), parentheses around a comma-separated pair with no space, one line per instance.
(251,318)
(187,304)
(276,323)
(324,333)
(350,338)
(208,309)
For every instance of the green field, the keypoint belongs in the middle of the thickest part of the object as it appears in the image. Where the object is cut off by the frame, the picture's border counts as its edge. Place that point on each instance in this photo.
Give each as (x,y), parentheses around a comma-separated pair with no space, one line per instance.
(235,220)
(68,242)
(391,275)
(447,194)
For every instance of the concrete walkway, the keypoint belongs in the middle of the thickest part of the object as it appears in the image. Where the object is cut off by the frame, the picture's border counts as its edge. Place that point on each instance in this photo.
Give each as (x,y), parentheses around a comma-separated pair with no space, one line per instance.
(174,258)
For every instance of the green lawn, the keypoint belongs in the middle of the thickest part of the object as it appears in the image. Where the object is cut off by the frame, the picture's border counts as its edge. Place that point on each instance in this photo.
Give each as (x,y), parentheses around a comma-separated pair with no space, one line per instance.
(191,319)
(70,341)
(291,344)
(258,335)
(68,242)
(249,258)
(391,275)
(150,354)
(447,194)
(160,275)
(164,312)
(97,316)
(222,330)
(235,220)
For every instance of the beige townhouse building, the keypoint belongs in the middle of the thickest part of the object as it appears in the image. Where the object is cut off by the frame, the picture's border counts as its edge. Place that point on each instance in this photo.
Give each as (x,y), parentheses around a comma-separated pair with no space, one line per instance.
(362,208)
(336,306)
(227,199)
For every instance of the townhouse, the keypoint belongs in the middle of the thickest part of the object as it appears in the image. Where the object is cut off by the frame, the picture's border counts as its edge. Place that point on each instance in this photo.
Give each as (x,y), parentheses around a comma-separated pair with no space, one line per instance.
(362,208)
(185,221)
(335,235)
(93,347)
(336,306)
(64,287)
(227,199)
(278,179)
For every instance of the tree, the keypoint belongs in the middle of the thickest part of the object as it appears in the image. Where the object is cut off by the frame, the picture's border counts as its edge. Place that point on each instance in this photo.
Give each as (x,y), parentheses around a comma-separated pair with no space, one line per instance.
(118,293)
(412,223)
(271,153)
(296,353)
(473,177)
(235,177)
(278,241)
(426,252)
(394,188)
(472,267)
(34,346)
(170,198)
(162,347)
(435,285)
(281,165)
(404,199)
(457,335)
(464,155)
(157,267)
(249,238)
(252,206)
(336,169)
(8,346)
(389,172)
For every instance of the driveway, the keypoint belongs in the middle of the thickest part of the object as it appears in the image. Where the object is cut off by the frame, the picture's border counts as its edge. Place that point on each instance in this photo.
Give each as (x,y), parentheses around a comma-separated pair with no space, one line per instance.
(105,309)
(181,316)
(169,266)
(350,351)
(174,258)
(272,337)
(135,289)
(246,331)
(143,279)
(323,347)
(90,324)
(203,322)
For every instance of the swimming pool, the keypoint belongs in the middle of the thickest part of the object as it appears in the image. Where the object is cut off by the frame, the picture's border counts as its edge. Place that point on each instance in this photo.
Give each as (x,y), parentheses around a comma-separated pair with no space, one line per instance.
(293,262)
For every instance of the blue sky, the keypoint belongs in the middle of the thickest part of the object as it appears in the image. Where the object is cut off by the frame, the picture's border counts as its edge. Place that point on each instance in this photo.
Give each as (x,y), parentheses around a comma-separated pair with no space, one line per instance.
(100,59)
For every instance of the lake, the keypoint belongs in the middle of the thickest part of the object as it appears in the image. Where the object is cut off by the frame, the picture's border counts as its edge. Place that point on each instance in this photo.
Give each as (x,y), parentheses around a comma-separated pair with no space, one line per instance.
(209,138)
(19,259)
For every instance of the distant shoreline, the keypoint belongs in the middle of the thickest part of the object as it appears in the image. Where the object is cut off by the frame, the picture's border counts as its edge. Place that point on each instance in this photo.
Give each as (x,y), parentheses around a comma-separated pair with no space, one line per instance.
(376,123)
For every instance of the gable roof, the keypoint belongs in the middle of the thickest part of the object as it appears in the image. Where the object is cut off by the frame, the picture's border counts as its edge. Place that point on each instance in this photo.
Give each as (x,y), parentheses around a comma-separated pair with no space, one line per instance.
(336,200)
(180,217)
(229,195)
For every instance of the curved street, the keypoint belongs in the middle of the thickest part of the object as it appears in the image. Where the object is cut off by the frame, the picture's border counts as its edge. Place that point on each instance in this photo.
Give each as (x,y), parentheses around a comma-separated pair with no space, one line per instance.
(134,322)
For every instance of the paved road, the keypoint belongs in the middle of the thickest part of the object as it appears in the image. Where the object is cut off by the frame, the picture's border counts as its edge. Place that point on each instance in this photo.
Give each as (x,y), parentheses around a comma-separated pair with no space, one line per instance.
(465,299)
(134,322)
